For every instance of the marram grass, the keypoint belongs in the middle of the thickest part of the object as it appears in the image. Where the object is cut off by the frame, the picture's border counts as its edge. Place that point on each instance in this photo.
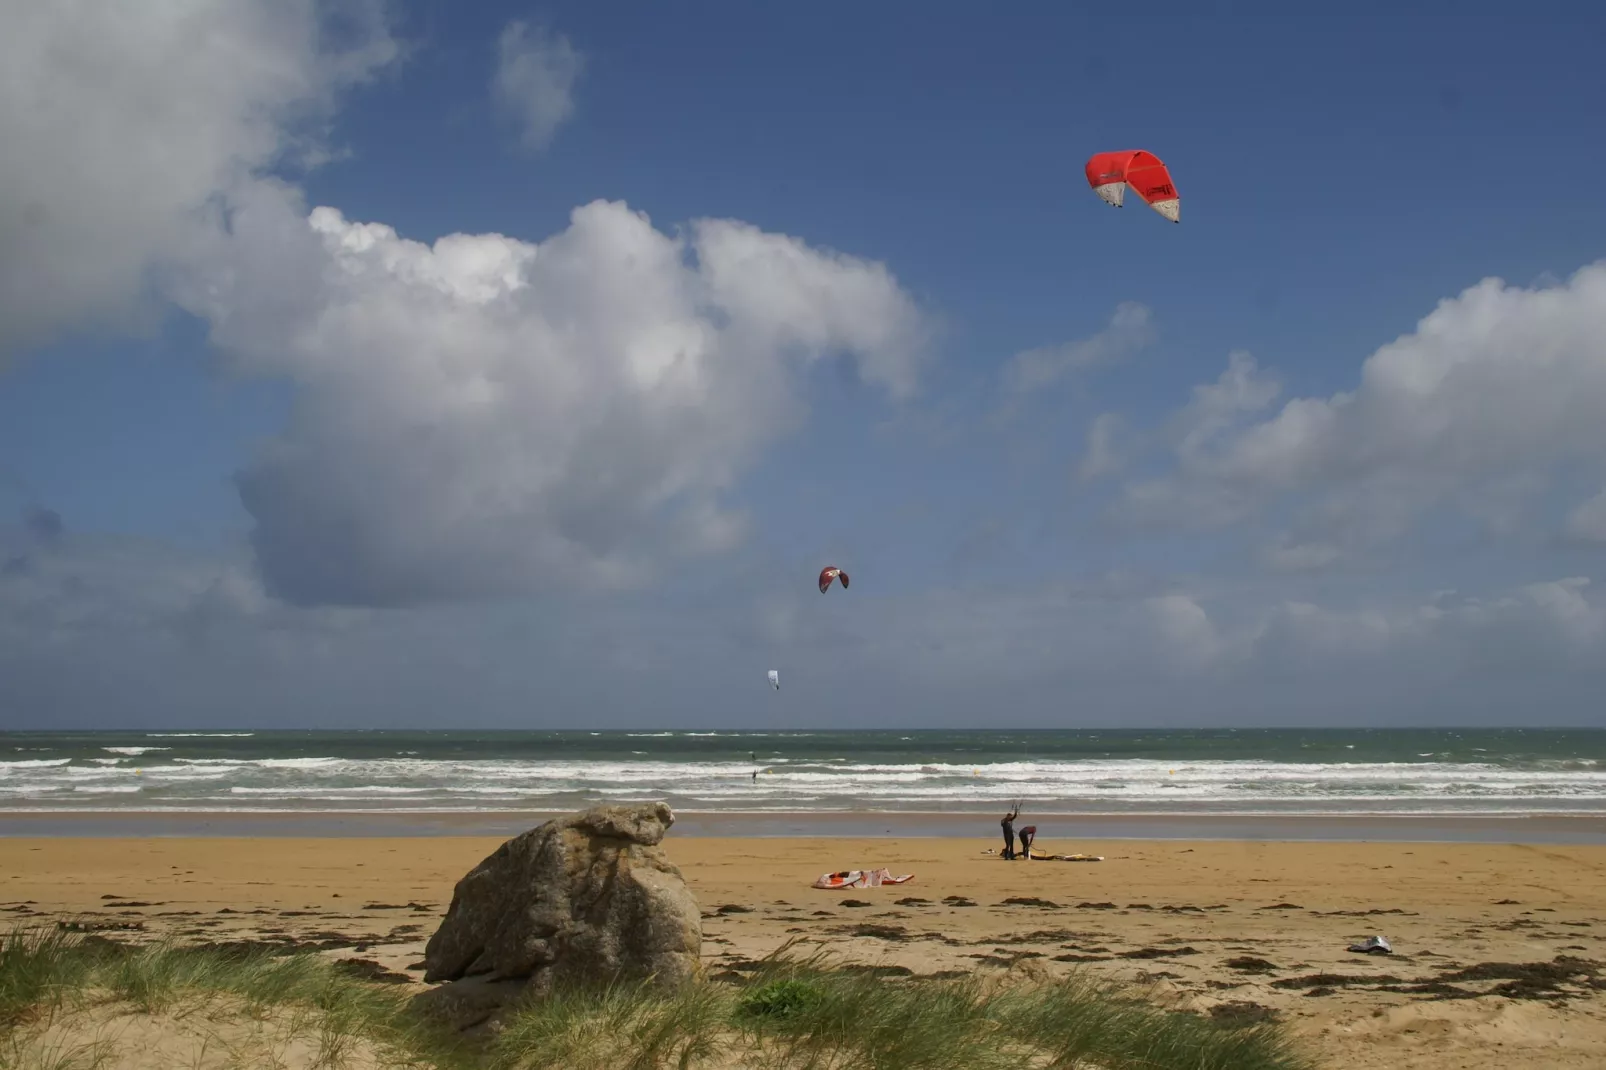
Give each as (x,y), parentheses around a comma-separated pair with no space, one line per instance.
(71,1003)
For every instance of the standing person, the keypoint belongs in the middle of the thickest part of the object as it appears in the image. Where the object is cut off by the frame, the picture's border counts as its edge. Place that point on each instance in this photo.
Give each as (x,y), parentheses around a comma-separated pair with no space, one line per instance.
(1009,831)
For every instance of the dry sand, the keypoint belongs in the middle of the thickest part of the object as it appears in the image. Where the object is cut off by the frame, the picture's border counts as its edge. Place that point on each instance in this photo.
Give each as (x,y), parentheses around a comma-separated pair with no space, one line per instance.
(1187,917)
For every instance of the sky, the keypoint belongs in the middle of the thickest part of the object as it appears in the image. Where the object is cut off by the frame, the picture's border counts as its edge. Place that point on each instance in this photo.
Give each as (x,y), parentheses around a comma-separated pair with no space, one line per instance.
(374,364)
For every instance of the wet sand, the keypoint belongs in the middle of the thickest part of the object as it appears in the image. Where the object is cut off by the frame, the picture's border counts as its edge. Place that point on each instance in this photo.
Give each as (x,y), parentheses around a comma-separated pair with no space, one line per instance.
(1291,826)
(1499,947)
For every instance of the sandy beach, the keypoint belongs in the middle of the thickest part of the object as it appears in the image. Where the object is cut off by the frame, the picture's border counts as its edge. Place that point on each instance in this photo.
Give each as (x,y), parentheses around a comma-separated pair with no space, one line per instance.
(1248,925)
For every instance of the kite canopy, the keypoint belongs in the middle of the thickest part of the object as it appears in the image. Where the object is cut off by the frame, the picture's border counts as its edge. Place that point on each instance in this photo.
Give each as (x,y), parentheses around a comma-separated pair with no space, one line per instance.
(1110,173)
(829,573)
(775,679)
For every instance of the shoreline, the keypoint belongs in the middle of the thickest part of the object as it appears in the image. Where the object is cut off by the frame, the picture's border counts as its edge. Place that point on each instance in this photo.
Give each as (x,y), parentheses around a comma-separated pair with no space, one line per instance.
(1292,828)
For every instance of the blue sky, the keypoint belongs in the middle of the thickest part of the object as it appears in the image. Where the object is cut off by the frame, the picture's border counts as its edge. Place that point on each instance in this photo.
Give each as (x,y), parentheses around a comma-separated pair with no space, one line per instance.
(398,551)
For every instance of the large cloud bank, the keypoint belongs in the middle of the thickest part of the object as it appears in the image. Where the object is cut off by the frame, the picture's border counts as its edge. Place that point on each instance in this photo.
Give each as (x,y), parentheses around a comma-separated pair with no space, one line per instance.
(491,416)
(1496,395)
(485,415)
(479,416)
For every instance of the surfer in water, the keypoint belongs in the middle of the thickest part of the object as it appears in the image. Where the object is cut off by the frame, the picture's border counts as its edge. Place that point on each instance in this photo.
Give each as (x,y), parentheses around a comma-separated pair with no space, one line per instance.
(1009,831)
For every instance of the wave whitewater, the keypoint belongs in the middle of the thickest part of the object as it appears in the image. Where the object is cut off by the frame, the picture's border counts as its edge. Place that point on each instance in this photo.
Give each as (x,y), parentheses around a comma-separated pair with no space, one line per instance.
(1493,772)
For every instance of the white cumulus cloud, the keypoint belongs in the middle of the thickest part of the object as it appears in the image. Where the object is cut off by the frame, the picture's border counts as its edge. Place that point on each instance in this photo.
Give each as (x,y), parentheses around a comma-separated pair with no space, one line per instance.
(1476,410)
(126,128)
(487,416)
(534,82)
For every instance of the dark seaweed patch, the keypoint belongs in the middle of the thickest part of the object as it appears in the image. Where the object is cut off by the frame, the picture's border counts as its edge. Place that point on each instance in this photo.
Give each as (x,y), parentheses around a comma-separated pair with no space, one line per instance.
(878,971)
(1336,980)
(369,970)
(1239,1013)
(1157,952)
(1250,964)
(878,932)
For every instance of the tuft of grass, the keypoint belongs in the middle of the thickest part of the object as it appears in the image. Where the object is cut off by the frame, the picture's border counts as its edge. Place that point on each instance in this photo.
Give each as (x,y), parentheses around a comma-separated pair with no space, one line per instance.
(617,1026)
(782,999)
(305,995)
(1078,1021)
(809,1013)
(38,968)
(37,1053)
(154,977)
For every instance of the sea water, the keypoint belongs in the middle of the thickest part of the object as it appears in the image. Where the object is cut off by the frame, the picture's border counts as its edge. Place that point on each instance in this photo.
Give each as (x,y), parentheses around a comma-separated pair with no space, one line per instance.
(1265,772)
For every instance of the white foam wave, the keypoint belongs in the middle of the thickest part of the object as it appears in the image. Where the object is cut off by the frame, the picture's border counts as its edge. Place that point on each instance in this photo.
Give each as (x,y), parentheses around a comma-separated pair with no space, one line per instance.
(199,735)
(1085,785)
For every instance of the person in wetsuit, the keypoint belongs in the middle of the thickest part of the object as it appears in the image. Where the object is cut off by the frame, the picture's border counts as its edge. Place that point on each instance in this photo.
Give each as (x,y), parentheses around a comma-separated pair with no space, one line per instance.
(1008,825)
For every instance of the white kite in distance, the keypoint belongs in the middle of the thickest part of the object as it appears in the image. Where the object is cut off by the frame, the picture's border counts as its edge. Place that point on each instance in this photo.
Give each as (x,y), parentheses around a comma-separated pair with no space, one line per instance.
(775,679)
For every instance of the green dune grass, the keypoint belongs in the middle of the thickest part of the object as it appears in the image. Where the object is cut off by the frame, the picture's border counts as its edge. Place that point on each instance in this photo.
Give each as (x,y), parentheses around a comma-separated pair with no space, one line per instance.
(73,1003)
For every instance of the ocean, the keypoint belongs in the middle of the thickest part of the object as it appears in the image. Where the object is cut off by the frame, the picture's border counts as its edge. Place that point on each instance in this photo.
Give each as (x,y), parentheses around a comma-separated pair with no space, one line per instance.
(1247,772)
